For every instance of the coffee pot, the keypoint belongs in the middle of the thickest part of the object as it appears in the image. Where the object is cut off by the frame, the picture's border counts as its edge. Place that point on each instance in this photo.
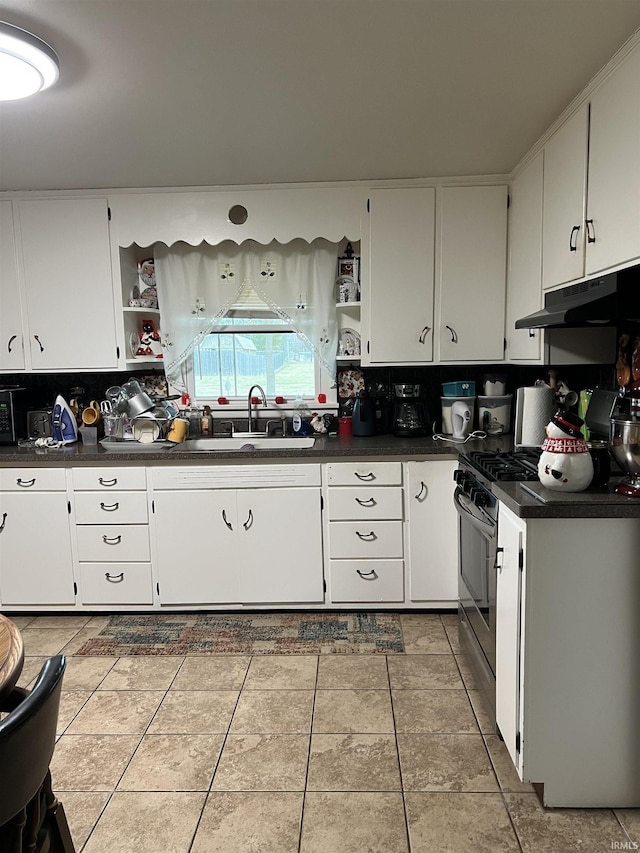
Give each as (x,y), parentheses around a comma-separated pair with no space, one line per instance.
(409,415)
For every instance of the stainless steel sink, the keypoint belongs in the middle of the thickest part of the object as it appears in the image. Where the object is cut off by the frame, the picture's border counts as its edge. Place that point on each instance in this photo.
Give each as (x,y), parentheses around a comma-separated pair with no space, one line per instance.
(249,443)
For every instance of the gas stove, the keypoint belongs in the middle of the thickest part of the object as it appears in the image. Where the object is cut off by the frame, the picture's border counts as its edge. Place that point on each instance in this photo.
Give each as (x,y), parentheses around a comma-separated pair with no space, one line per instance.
(496,465)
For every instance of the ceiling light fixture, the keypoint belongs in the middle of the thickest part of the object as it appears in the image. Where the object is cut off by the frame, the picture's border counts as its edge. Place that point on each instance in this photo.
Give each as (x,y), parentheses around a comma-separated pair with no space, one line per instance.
(27,64)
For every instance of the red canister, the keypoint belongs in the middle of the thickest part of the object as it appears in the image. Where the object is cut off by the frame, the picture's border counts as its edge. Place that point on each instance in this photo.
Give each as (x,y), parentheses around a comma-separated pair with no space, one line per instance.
(344,426)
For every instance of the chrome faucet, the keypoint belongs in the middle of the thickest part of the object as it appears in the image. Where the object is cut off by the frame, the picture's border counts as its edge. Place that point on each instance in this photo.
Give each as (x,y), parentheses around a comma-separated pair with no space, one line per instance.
(264,403)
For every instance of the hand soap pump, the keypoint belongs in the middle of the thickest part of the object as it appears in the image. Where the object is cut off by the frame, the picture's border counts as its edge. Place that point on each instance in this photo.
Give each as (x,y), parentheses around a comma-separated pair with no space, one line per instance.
(299,424)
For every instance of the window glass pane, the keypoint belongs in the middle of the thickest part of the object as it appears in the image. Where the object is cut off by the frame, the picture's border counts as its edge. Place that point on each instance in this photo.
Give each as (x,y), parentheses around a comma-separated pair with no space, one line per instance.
(228,364)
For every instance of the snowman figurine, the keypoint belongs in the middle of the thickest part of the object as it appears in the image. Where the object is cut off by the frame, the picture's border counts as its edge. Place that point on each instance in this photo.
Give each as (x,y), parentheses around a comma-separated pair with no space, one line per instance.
(565,463)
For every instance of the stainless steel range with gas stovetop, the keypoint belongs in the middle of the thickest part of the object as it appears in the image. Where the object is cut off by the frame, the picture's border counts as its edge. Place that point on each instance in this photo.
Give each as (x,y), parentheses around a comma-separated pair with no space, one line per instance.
(477,571)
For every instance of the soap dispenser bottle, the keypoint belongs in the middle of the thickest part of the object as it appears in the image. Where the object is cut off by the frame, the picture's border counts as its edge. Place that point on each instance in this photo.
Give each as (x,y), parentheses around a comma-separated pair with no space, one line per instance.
(299,423)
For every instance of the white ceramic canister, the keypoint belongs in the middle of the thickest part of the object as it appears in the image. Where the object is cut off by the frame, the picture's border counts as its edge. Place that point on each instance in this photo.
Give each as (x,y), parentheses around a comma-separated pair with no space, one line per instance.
(494,414)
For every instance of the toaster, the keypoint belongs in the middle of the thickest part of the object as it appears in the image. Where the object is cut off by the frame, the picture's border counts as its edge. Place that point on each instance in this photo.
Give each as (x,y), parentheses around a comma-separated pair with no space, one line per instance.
(40,423)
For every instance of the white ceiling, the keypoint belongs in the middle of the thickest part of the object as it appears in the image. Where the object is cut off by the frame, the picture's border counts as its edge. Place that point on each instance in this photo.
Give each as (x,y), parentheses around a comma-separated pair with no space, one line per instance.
(212,92)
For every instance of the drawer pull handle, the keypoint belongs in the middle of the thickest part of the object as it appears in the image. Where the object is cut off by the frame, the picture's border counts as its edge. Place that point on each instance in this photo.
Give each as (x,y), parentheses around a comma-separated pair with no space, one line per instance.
(107,483)
(110,507)
(114,578)
(368,537)
(369,476)
(368,502)
(4,518)
(249,522)
(422,493)
(367,576)
(114,540)
(25,484)
(224,518)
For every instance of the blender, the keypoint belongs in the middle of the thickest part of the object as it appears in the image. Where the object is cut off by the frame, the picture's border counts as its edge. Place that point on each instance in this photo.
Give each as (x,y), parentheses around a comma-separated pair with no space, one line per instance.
(410,416)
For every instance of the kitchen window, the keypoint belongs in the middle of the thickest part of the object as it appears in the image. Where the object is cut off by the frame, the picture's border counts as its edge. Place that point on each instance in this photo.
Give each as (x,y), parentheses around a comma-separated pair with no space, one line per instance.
(234,316)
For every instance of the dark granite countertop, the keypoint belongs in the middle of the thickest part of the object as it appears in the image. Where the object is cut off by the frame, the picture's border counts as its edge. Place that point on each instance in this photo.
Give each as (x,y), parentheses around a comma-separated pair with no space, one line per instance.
(592,503)
(326,448)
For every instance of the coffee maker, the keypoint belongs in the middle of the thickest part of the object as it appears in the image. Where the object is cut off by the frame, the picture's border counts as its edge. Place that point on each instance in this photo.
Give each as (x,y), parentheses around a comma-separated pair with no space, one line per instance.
(410,416)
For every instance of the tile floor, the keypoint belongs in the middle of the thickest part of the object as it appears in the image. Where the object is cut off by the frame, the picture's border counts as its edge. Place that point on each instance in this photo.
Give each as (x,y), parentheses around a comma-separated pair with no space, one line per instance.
(294,754)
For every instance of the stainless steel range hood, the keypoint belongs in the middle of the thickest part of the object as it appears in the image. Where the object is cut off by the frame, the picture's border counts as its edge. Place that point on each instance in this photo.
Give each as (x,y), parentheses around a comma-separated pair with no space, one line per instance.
(604,301)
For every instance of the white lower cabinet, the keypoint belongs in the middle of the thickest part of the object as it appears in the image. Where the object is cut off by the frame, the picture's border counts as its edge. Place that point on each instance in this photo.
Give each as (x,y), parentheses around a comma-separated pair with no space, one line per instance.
(112,536)
(218,544)
(36,565)
(567,691)
(432,531)
(365,529)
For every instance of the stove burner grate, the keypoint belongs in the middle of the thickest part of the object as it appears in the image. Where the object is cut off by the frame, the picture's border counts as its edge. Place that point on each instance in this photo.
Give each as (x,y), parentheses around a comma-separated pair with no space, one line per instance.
(496,465)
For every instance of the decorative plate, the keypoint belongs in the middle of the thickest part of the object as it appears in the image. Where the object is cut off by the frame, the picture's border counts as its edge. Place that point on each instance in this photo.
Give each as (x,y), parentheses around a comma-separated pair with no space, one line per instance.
(348,343)
(134,343)
(350,383)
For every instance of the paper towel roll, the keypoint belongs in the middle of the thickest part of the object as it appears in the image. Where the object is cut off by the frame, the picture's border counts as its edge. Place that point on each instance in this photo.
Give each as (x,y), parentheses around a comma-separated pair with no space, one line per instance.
(536,406)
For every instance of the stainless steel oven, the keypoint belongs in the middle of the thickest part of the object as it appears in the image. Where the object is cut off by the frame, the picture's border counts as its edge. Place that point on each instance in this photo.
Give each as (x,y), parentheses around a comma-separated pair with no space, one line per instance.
(477,532)
(478,540)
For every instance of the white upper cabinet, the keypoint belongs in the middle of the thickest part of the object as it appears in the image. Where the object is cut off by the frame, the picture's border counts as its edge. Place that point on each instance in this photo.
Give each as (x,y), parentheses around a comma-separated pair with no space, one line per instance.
(397,298)
(472,281)
(613,205)
(11,339)
(68,287)
(524,290)
(565,185)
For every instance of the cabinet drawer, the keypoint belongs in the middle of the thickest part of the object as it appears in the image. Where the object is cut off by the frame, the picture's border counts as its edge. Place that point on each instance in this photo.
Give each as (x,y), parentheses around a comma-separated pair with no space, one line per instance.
(365,502)
(114,508)
(32,480)
(357,473)
(382,539)
(367,580)
(109,479)
(113,543)
(117,583)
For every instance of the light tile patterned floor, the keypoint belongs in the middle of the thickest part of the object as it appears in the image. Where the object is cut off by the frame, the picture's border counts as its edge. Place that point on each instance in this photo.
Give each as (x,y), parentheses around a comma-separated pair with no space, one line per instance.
(294,754)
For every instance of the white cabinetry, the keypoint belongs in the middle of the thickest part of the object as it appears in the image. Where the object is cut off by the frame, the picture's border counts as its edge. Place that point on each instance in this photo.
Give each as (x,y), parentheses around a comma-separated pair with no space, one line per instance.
(112,536)
(613,202)
(36,566)
(11,336)
(524,284)
(68,286)
(238,534)
(397,296)
(472,279)
(565,193)
(432,532)
(365,532)
(567,691)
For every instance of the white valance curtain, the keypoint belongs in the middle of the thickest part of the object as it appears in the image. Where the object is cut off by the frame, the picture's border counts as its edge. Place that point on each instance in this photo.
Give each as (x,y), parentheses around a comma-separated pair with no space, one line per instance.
(199,285)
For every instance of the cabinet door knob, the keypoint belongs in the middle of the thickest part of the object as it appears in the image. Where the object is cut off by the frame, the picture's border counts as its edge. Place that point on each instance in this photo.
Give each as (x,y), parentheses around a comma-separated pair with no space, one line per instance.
(114,578)
(573,244)
(4,518)
(368,537)
(11,340)
(249,522)
(367,576)
(591,231)
(453,333)
(422,493)
(36,338)
(423,334)
(224,518)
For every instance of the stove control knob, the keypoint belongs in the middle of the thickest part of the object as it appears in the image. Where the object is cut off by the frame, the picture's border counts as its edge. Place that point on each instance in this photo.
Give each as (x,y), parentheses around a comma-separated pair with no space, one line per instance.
(480,498)
(460,476)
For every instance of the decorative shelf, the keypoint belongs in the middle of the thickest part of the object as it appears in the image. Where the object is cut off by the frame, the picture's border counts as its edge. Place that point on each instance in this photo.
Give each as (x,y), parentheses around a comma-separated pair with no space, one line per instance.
(344,358)
(128,310)
(348,304)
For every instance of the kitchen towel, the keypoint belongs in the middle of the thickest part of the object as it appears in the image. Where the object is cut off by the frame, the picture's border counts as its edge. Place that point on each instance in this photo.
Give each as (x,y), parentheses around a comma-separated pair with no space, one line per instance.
(535,406)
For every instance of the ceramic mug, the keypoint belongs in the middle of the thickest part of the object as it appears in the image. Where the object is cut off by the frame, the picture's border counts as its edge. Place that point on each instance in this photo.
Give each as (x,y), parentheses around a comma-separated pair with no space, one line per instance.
(178,431)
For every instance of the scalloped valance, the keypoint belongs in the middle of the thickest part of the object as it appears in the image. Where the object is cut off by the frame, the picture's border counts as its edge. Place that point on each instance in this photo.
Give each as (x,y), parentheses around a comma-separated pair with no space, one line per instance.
(146,218)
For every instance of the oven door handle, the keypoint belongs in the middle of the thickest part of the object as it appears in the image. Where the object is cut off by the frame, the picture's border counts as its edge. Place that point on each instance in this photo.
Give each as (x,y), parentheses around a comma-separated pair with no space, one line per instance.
(469,510)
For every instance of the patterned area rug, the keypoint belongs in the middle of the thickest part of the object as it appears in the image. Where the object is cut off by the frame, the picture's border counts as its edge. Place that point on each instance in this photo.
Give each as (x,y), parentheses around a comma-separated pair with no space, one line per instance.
(244,633)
